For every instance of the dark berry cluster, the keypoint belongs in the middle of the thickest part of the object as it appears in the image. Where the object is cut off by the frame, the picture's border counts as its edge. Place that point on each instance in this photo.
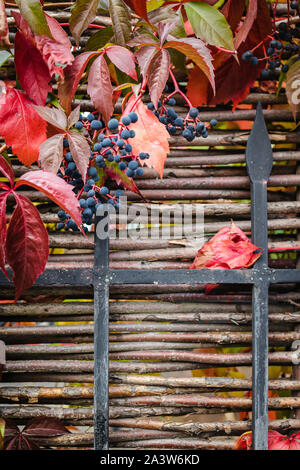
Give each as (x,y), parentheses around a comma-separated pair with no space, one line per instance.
(189,127)
(110,149)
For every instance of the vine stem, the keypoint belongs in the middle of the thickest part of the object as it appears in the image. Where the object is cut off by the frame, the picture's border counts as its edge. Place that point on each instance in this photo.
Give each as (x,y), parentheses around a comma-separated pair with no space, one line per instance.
(177,89)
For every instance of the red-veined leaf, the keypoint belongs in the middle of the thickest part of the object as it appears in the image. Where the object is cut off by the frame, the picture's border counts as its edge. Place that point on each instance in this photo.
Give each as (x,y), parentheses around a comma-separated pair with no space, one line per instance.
(74,116)
(151,136)
(121,21)
(31,69)
(7,170)
(27,248)
(20,125)
(59,34)
(45,427)
(51,153)
(158,74)
(144,56)
(73,74)
(56,189)
(3,232)
(139,6)
(113,171)
(164,30)
(100,87)
(196,50)
(247,25)
(123,59)
(83,13)
(55,55)
(53,116)
(80,150)
(143,40)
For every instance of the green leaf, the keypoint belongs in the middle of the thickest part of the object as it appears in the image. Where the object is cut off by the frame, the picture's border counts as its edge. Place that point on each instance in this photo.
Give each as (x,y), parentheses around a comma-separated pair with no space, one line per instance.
(4,55)
(113,171)
(168,15)
(82,15)
(120,18)
(33,13)
(99,39)
(2,429)
(209,25)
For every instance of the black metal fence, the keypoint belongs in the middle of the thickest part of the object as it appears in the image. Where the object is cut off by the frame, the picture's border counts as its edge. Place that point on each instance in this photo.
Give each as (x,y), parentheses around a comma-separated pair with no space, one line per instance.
(259,159)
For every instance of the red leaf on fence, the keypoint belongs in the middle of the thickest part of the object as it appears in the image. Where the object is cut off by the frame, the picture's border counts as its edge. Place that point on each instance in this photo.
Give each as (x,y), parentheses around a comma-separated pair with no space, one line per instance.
(233,11)
(123,59)
(100,87)
(3,232)
(151,136)
(230,248)
(83,13)
(51,153)
(45,427)
(247,25)
(139,6)
(56,189)
(27,248)
(276,441)
(20,125)
(158,74)
(55,117)
(73,75)
(33,73)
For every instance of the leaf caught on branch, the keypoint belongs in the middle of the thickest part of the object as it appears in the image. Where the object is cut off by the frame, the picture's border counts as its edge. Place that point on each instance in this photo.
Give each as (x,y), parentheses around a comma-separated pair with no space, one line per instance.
(100,88)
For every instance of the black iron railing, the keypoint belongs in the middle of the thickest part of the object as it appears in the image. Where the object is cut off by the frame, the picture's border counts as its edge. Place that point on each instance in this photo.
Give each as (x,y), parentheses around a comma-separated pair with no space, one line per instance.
(259,159)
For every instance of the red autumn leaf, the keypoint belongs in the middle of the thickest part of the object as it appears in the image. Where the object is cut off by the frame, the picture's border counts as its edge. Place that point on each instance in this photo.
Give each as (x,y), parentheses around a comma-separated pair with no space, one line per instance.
(276,441)
(31,69)
(100,88)
(45,427)
(7,170)
(20,125)
(233,11)
(113,171)
(51,153)
(198,52)
(74,116)
(150,136)
(55,188)
(3,232)
(158,74)
(55,117)
(123,59)
(233,79)
(83,13)
(80,150)
(144,55)
(139,6)
(247,25)
(73,75)
(27,248)
(230,248)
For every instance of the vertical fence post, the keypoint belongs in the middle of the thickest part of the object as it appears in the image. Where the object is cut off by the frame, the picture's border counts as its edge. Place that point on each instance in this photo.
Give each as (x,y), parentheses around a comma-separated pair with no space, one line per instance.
(101,322)
(259,159)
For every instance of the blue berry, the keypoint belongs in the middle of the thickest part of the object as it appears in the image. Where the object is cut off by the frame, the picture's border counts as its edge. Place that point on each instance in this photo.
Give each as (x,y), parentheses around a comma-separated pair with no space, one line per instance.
(246,56)
(107,143)
(110,157)
(213,122)
(90,117)
(71,166)
(285,68)
(71,224)
(122,166)
(92,171)
(65,143)
(133,117)
(126,120)
(119,192)
(150,106)
(133,165)
(97,147)
(78,125)
(132,133)
(96,125)
(60,226)
(113,124)
(172,102)
(254,61)
(130,173)
(125,134)
(179,122)
(91,202)
(120,143)
(91,193)
(104,190)
(117,158)
(128,148)
(87,212)
(101,137)
(61,215)
(69,157)
(193,112)
(83,203)
(139,172)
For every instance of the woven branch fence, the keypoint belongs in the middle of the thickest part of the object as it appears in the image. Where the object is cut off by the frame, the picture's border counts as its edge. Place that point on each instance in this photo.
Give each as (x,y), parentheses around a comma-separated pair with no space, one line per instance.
(180,359)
